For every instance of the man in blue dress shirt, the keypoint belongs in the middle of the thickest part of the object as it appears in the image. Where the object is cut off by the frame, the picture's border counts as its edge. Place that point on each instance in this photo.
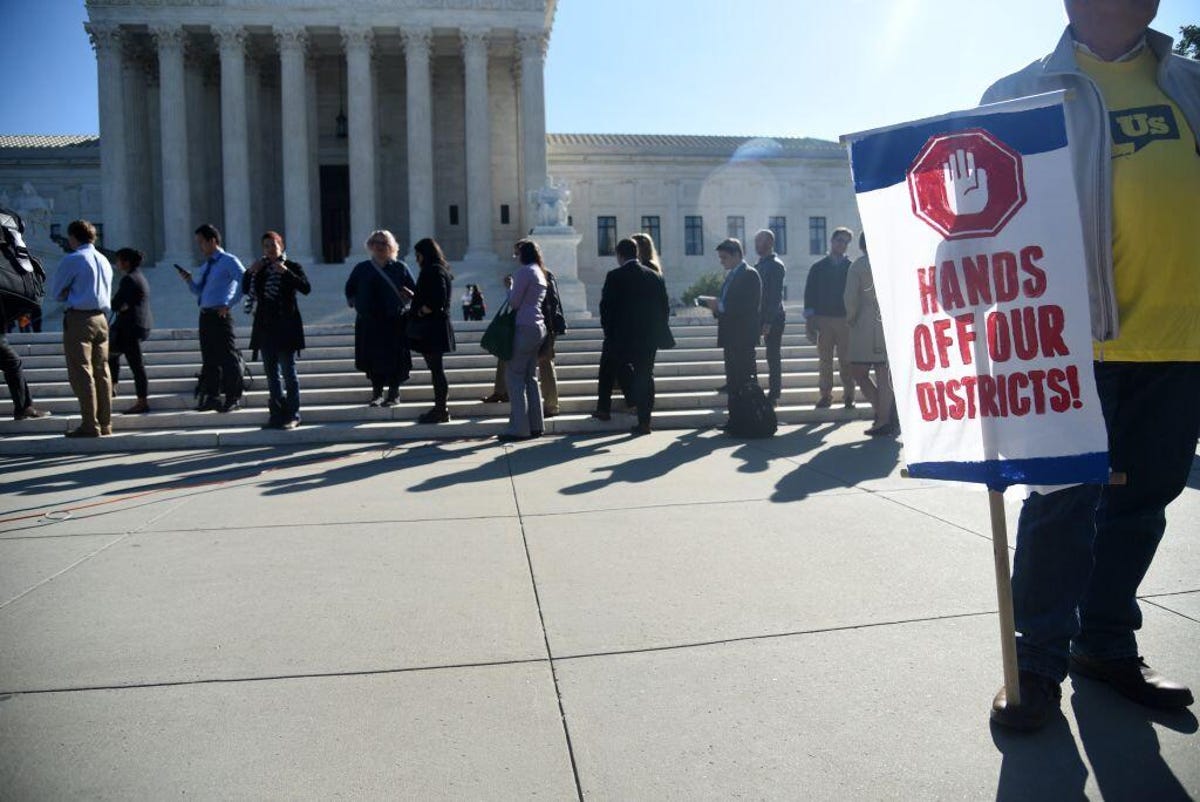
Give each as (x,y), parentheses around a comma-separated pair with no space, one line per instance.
(217,285)
(83,282)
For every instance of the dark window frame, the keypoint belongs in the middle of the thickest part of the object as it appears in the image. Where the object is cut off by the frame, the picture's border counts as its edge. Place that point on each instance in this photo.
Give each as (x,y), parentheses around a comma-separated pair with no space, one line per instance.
(652,227)
(693,235)
(778,226)
(818,235)
(606,235)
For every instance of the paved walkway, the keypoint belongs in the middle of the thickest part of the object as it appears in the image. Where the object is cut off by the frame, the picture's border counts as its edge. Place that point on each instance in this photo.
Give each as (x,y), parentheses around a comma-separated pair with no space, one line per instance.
(679,616)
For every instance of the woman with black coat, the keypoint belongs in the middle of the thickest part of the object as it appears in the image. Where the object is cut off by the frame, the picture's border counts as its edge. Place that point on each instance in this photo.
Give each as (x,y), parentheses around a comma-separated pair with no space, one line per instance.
(379,290)
(278,330)
(131,326)
(430,330)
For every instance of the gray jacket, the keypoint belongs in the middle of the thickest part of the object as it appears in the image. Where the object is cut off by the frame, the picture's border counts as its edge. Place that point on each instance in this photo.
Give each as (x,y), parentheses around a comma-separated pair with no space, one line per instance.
(1091,148)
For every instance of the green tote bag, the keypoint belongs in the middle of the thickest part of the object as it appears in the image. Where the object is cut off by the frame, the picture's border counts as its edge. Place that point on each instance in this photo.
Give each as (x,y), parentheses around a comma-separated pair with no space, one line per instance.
(497,339)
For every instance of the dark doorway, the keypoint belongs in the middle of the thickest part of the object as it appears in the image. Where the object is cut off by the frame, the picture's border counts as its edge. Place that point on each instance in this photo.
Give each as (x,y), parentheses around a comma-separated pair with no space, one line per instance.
(335,213)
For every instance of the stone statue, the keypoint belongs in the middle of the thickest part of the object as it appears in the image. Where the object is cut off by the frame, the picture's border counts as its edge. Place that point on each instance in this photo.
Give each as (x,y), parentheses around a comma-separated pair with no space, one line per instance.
(36,212)
(551,203)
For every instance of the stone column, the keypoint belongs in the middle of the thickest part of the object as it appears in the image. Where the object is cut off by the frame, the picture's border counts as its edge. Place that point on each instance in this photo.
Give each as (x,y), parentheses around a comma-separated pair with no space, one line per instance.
(176,187)
(479,146)
(235,149)
(293,82)
(420,134)
(114,164)
(313,155)
(364,217)
(533,118)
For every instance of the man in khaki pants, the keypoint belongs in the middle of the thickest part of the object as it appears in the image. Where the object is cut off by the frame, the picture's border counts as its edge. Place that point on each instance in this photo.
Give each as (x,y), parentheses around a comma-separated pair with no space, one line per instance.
(83,282)
(825,312)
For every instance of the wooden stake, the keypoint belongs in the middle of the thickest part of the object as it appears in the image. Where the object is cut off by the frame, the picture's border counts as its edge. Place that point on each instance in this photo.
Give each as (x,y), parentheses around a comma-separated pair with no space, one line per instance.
(1008,629)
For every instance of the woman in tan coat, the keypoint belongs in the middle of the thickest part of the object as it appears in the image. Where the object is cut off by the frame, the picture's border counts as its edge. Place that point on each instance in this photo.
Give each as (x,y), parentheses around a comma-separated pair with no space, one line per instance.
(867,349)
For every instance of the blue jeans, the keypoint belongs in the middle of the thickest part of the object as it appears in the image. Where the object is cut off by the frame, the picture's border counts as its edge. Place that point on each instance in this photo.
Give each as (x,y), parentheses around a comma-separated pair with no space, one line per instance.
(280,367)
(1082,552)
(522,379)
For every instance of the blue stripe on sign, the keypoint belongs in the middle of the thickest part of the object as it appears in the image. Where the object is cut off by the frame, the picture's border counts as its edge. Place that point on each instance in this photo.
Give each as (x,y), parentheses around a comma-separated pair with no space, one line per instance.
(999,474)
(883,160)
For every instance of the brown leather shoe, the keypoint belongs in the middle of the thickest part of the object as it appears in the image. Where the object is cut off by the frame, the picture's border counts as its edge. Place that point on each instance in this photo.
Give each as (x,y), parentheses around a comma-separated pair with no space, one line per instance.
(1133,679)
(30,413)
(105,430)
(495,398)
(139,407)
(824,402)
(1040,699)
(82,432)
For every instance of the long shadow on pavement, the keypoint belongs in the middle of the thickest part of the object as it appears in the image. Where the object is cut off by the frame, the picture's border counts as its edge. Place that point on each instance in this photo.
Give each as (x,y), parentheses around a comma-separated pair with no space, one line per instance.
(1120,743)
(836,467)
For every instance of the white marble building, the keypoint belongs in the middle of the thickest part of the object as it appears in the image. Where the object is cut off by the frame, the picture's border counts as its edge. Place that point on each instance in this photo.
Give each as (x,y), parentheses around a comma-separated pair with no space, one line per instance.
(426,117)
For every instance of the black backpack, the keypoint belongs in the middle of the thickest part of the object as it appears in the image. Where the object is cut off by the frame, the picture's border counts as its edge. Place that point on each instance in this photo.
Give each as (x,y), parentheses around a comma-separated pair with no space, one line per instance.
(22,279)
(750,413)
(552,307)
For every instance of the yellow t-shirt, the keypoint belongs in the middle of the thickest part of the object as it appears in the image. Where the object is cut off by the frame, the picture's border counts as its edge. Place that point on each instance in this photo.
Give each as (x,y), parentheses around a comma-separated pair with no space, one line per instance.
(1156,215)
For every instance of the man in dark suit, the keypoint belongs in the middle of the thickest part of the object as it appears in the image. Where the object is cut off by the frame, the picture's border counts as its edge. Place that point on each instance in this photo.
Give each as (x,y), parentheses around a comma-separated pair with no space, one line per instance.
(634,312)
(737,310)
(773,273)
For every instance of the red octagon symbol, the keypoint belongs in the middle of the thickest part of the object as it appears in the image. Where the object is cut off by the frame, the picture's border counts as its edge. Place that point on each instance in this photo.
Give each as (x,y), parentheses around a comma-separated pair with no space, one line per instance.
(967,184)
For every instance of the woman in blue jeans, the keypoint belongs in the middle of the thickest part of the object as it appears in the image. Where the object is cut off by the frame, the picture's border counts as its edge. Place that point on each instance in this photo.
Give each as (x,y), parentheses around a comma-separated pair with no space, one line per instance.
(278,331)
(525,298)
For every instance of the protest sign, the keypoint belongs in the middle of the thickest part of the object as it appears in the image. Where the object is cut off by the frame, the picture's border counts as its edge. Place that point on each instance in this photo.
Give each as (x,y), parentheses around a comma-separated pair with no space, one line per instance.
(977,255)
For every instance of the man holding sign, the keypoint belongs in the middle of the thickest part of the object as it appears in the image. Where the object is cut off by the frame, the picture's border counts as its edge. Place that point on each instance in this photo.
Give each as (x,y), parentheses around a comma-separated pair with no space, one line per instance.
(1082,551)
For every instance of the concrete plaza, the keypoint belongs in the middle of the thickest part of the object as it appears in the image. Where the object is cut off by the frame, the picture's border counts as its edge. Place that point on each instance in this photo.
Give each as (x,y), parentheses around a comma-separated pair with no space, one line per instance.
(680,616)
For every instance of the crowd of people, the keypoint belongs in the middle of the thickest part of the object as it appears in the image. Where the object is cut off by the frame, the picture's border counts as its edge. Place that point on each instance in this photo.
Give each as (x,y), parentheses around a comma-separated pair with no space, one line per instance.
(397,315)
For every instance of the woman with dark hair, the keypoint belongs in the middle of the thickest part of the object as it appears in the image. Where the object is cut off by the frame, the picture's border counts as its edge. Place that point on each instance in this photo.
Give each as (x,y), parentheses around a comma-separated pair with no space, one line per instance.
(278,330)
(529,285)
(429,326)
(131,326)
(478,306)
(379,290)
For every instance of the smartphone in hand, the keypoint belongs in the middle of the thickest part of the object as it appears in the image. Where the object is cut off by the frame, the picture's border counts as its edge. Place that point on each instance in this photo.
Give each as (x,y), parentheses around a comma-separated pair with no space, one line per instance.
(183,273)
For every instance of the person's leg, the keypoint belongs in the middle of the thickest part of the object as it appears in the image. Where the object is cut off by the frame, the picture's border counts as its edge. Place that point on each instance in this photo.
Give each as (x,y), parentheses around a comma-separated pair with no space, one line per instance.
(1153,421)
(604,383)
(826,342)
(18,388)
(231,368)
(533,391)
(114,367)
(885,403)
(860,373)
(441,387)
(210,357)
(291,383)
(548,380)
(77,350)
(499,384)
(729,358)
(137,366)
(774,343)
(842,343)
(522,369)
(644,377)
(98,334)
(275,400)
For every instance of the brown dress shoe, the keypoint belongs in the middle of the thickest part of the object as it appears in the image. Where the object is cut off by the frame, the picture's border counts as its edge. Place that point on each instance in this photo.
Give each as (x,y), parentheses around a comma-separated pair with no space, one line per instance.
(495,398)
(105,430)
(31,412)
(1040,699)
(1133,679)
(824,402)
(82,432)
(140,406)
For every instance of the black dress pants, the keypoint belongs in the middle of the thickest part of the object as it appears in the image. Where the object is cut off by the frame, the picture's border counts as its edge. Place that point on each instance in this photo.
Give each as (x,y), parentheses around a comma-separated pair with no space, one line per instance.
(18,388)
(137,366)
(219,368)
(774,343)
(642,390)
(739,368)
(441,387)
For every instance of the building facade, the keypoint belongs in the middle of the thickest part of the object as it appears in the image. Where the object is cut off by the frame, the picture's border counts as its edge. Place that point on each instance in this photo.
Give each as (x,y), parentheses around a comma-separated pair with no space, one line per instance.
(425,117)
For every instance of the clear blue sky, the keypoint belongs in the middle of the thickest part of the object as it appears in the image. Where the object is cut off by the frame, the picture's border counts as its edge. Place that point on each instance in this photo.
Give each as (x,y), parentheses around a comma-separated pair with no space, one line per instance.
(739,67)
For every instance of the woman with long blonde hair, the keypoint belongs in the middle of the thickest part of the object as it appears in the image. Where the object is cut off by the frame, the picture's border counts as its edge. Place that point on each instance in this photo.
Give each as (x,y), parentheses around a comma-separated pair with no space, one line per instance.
(647,253)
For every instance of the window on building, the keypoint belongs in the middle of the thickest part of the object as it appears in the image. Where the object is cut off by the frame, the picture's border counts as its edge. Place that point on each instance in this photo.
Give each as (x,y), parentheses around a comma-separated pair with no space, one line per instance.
(735,227)
(453,215)
(652,226)
(504,216)
(816,235)
(778,226)
(606,236)
(99,233)
(693,235)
